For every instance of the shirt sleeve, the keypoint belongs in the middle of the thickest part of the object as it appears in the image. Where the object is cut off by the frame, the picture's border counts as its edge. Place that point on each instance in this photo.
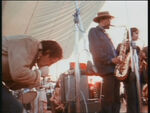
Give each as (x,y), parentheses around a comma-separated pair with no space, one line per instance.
(98,48)
(20,57)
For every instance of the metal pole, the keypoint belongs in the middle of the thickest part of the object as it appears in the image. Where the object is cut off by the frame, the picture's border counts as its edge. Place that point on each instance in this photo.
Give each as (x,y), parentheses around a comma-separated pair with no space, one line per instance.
(136,70)
(77,72)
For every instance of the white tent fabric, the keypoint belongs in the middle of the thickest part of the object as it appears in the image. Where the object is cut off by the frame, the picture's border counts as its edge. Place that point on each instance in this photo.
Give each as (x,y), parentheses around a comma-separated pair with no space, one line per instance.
(47,19)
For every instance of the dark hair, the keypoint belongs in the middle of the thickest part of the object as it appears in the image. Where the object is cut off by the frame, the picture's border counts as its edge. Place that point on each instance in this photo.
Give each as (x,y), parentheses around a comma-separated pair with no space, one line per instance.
(134,29)
(55,50)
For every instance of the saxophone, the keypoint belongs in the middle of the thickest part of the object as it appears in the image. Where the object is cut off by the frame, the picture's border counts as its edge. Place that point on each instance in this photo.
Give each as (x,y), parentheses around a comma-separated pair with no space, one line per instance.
(121,70)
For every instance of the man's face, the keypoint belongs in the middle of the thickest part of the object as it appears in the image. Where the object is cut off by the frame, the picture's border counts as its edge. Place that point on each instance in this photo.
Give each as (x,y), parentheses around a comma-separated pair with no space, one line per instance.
(106,23)
(46,60)
(135,35)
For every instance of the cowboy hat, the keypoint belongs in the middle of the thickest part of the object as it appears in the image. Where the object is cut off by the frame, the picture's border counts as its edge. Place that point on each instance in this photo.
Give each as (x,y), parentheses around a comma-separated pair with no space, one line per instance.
(100,15)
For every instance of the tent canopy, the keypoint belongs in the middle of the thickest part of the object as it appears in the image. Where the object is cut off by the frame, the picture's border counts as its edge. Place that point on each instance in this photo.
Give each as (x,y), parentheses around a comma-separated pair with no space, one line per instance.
(47,20)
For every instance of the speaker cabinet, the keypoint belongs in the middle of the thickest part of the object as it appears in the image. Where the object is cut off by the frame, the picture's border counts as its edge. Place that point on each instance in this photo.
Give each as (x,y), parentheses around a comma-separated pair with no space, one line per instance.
(68,88)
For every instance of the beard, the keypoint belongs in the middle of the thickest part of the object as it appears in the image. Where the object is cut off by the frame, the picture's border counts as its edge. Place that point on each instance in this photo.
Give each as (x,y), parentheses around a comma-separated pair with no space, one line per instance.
(106,26)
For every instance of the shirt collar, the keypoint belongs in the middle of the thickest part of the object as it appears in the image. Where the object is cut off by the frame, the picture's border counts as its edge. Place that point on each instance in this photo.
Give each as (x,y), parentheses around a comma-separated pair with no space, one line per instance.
(101,28)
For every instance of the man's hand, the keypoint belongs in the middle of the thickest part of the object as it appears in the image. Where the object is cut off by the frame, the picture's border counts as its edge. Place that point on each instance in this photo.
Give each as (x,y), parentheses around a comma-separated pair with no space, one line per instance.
(44,71)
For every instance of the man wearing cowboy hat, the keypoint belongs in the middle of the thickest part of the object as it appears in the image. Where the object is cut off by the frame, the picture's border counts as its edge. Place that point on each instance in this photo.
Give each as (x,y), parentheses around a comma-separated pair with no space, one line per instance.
(105,58)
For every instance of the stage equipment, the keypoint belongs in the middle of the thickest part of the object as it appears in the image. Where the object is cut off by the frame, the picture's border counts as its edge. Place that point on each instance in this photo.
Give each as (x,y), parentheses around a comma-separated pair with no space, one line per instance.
(91,92)
(27,95)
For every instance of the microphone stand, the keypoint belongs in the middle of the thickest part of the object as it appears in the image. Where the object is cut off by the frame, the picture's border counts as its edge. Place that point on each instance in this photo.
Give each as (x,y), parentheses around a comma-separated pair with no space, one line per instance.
(77,69)
(135,61)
